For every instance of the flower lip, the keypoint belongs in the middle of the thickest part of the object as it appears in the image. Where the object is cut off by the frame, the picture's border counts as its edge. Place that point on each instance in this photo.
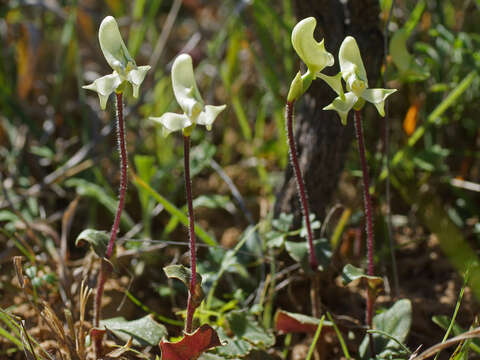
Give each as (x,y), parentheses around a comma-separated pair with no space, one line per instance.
(124,67)
(185,86)
(189,98)
(312,52)
(112,45)
(351,64)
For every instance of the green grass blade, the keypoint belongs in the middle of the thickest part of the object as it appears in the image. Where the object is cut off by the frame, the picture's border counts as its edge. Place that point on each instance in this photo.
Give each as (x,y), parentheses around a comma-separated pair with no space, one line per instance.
(94,191)
(148,310)
(339,228)
(343,345)
(388,336)
(415,16)
(315,338)
(242,118)
(455,312)
(174,211)
(434,116)
(11,338)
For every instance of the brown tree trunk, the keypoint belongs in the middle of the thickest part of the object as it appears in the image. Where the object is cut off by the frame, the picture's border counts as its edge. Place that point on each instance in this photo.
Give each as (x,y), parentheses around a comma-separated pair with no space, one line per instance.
(322,141)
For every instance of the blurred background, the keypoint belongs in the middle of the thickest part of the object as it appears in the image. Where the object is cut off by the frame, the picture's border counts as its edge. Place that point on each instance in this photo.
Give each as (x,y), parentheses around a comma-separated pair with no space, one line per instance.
(60,173)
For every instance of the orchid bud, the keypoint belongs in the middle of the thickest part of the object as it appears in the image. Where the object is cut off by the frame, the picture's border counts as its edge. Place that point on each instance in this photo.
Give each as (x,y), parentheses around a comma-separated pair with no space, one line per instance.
(296,88)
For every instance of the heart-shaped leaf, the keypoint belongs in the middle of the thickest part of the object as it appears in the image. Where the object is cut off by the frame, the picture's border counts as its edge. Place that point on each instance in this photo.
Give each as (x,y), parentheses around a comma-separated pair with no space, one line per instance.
(351,273)
(244,326)
(396,322)
(233,348)
(184,274)
(287,322)
(283,222)
(97,239)
(144,331)
(299,252)
(192,345)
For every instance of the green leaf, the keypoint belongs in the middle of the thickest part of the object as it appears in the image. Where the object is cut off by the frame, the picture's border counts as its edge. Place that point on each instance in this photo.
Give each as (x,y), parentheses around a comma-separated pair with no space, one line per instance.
(314,224)
(181,273)
(245,327)
(200,157)
(184,274)
(145,165)
(351,273)
(283,223)
(396,322)
(174,211)
(275,239)
(214,201)
(415,16)
(94,191)
(210,357)
(144,331)
(97,239)
(232,348)
(299,252)
(444,322)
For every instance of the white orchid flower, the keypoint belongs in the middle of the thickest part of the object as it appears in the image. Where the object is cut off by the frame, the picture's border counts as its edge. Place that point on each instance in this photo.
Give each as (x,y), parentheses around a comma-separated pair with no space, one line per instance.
(125,70)
(353,72)
(189,98)
(312,53)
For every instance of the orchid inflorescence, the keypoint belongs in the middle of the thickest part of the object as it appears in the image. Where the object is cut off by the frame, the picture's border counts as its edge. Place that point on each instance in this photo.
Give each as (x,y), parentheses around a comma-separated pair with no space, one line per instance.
(357,93)
(125,70)
(352,71)
(195,111)
(189,98)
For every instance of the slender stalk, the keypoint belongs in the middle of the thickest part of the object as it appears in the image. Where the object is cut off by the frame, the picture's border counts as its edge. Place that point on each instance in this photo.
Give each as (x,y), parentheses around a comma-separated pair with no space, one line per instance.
(191,235)
(368,216)
(105,268)
(301,185)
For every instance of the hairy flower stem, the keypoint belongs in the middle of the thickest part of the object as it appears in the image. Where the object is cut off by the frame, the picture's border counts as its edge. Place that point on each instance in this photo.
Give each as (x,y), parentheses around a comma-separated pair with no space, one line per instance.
(301,185)
(105,268)
(367,202)
(191,235)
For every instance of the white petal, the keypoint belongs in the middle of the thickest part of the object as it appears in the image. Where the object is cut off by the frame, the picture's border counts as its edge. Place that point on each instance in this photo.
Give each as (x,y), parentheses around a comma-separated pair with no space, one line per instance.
(208,116)
(342,107)
(185,86)
(335,82)
(112,45)
(377,97)
(172,122)
(136,77)
(351,64)
(104,86)
(312,53)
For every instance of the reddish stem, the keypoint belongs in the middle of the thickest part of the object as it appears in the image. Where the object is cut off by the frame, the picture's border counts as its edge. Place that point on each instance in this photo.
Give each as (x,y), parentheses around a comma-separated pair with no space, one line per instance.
(191,235)
(301,185)
(122,148)
(105,268)
(367,202)
(366,193)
